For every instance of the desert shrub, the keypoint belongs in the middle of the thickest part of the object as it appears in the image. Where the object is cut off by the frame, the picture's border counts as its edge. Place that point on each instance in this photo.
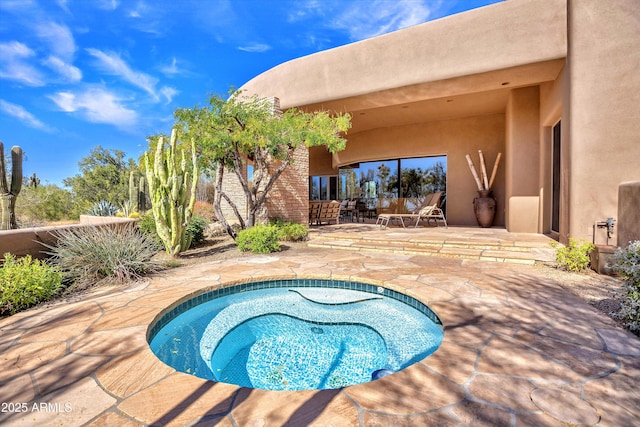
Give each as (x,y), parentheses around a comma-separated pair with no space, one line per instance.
(88,255)
(627,264)
(289,231)
(103,208)
(261,239)
(204,210)
(25,282)
(292,232)
(147,223)
(574,257)
(195,229)
(44,203)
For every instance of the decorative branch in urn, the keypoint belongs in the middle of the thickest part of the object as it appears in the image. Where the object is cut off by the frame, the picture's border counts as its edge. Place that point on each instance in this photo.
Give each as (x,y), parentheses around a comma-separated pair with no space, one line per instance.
(484,205)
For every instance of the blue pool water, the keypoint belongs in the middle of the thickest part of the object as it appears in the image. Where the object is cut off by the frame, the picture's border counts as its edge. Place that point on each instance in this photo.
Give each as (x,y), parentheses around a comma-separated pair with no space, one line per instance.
(288,337)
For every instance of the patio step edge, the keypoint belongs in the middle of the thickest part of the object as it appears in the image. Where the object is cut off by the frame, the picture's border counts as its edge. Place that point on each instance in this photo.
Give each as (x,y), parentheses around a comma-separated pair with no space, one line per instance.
(510,254)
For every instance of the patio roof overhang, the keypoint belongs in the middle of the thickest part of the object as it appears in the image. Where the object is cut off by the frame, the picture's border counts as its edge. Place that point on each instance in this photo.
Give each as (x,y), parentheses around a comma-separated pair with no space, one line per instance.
(460,65)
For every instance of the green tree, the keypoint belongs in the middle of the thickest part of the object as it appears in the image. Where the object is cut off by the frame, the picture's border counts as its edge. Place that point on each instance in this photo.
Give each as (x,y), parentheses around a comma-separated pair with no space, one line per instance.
(228,133)
(104,175)
(385,184)
(44,203)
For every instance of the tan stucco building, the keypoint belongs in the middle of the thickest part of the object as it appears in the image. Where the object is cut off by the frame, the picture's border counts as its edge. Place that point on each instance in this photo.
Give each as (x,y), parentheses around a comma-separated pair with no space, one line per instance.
(553,85)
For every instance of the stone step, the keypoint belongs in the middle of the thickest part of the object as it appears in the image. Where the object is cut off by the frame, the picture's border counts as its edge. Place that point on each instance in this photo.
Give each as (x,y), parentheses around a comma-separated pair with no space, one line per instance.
(497,251)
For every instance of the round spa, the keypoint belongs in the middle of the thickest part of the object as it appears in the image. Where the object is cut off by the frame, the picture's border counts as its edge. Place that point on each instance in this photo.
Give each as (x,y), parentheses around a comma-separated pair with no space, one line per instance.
(300,334)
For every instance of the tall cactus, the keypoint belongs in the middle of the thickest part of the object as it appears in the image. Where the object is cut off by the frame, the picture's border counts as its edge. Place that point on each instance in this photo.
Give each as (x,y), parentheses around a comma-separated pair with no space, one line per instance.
(9,190)
(137,195)
(142,196)
(133,192)
(173,193)
(34,181)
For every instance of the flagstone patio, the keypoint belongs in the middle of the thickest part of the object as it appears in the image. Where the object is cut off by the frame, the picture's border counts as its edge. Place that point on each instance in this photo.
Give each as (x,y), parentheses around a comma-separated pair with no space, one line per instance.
(518,350)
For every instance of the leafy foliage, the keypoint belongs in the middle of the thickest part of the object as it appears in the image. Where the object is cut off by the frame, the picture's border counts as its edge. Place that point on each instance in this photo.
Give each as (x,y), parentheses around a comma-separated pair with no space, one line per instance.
(43,203)
(289,231)
(260,239)
(25,282)
(195,230)
(204,209)
(88,255)
(104,175)
(103,208)
(574,257)
(229,132)
(627,264)
(147,225)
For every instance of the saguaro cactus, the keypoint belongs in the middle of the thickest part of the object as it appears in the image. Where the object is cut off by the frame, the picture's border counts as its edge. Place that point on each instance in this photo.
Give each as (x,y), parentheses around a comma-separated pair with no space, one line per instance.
(173,193)
(9,190)
(137,195)
(133,192)
(34,181)
(142,196)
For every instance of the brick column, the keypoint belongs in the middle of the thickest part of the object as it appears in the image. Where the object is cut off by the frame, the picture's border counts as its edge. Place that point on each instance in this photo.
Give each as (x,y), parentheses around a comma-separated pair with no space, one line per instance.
(289,197)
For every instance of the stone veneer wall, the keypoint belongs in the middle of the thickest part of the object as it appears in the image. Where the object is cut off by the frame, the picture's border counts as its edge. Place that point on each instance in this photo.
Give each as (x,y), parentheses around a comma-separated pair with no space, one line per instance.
(231,186)
(289,199)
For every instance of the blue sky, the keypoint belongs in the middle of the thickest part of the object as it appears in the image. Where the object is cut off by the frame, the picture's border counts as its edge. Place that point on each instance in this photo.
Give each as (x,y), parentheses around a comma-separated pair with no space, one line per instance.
(75,74)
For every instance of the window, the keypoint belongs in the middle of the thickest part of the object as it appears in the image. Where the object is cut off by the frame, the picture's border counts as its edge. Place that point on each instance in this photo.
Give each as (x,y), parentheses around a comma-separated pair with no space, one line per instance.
(323,187)
(555,179)
(383,181)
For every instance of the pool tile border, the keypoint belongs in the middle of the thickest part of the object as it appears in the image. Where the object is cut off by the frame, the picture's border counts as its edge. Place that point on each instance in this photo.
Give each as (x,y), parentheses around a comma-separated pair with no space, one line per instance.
(193,300)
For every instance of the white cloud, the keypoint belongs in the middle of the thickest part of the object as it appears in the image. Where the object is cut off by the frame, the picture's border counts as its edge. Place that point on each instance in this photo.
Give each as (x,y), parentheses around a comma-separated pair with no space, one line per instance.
(58,38)
(97,105)
(368,19)
(362,19)
(168,93)
(63,5)
(23,115)
(107,4)
(255,47)
(69,72)
(112,63)
(14,64)
(140,10)
(171,69)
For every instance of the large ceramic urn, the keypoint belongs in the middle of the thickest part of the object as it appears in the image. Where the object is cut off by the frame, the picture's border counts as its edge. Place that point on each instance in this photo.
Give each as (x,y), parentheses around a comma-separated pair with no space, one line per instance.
(484,207)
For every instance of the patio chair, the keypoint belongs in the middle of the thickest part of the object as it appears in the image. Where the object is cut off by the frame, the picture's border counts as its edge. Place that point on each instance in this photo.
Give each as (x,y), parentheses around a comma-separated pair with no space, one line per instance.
(430,209)
(433,211)
(329,212)
(349,210)
(315,208)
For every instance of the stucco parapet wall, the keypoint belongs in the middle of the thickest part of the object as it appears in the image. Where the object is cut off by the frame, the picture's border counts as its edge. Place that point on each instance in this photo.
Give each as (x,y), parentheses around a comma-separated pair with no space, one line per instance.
(29,241)
(496,37)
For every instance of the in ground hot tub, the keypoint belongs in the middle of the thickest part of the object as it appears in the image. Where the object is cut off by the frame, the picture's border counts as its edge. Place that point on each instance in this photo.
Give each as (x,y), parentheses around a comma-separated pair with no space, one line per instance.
(302,334)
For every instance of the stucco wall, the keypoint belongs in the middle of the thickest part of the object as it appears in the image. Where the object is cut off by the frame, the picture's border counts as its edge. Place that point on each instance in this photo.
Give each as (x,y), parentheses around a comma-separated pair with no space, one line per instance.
(604,95)
(522,157)
(551,111)
(628,227)
(320,162)
(490,38)
(29,241)
(453,138)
